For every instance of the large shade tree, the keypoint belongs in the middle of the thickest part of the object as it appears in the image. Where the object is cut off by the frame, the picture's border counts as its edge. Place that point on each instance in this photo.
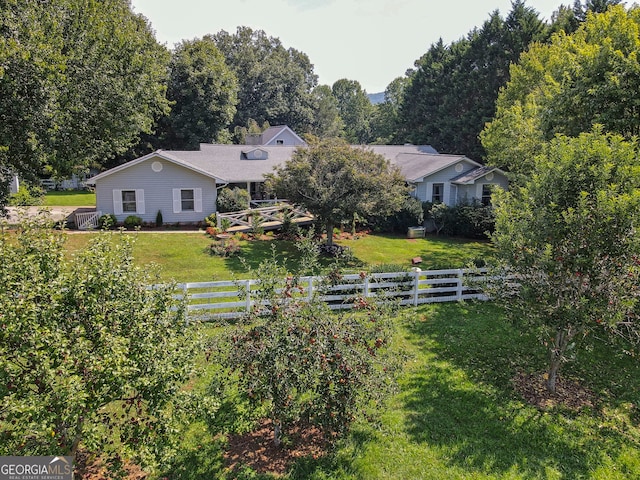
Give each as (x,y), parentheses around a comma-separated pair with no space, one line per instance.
(203,91)
(336,181)
(589,77)
(79,82)
(355,109)
(275,83)
(569,243)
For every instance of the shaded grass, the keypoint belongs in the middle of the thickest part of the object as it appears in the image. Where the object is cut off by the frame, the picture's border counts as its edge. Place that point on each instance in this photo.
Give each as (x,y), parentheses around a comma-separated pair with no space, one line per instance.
(69,198)
(457,415)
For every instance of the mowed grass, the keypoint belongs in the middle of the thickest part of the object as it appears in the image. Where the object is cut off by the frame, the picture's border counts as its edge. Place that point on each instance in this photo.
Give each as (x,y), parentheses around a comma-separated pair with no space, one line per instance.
(69,198)
(184,257)
(457,415)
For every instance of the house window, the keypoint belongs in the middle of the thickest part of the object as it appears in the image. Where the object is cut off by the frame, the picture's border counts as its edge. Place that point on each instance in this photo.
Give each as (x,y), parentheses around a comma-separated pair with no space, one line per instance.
(437,193)
(129,201)
(279,142)
(187,200)
(486,194)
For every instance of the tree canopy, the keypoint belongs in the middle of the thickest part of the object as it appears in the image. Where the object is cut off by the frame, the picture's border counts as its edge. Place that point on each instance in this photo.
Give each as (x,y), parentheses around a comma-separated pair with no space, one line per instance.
(355,110)
(335,181)
(452,92)
(203,92)
(275,83)
(565,87)
(79,82)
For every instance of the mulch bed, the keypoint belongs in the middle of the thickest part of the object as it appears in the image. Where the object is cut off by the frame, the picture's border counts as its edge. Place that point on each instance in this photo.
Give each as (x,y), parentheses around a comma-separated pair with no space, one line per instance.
(257,450)
(569,393)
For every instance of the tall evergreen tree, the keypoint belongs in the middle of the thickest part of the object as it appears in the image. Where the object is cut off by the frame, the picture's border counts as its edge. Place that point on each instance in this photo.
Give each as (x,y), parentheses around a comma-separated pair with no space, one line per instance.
(452,93)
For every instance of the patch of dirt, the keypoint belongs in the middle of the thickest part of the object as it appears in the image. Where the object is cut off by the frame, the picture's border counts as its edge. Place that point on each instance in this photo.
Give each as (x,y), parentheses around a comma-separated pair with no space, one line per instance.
(569,393)
(90,467)
(257,450)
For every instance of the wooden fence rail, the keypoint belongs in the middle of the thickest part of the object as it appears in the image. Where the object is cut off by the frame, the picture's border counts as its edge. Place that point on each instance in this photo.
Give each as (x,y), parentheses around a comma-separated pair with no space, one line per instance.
(232,299)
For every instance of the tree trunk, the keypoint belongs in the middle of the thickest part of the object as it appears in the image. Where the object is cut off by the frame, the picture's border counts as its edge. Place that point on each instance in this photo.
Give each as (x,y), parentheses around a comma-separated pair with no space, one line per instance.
(556,355)
(277,432)
(329,230)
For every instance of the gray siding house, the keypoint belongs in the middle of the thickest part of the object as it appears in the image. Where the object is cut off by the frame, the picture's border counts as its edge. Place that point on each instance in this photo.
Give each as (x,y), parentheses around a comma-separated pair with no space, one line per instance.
(183,185)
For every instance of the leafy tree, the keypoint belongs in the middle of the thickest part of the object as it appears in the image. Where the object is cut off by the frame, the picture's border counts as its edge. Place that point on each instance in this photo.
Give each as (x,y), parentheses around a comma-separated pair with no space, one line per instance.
(90,357)
(355,110)
(384,124)
(203,91)
(306,364)
(452,93)
(335,181)
(80,81)
(589,77)
(568,239)
(327,122)
(275,83)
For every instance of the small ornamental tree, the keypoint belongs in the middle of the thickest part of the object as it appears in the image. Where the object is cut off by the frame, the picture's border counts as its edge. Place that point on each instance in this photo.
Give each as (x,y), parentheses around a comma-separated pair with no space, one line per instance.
(569,243)
(336,181)
(90,357)
(306,364)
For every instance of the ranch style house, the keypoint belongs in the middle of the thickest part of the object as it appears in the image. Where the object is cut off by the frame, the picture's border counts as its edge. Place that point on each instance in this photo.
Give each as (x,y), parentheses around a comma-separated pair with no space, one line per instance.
(183,185)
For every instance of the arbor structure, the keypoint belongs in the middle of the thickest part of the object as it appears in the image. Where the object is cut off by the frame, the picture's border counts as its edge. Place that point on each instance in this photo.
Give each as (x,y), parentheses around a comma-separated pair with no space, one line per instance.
(203,91)
(79,82)
(90,357)
(589,77)
(569,244)
(336,181)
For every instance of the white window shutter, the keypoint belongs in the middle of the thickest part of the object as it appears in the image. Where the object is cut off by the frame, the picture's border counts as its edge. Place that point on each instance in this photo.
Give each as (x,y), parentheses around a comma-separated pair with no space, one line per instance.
(197,199)
(117,202)
(139,201)
(177,201)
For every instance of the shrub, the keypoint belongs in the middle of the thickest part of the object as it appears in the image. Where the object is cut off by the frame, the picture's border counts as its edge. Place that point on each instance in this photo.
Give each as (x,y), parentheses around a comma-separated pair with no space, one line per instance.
(225,247)
(411,214)
(27,196)
(233,200)
(132,221)
(304,363)
(211,220)
(466,219)
(107,221)
(159,221)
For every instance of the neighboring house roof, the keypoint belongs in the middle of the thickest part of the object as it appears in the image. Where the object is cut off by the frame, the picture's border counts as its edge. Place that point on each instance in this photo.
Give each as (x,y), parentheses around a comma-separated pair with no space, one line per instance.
(271,134)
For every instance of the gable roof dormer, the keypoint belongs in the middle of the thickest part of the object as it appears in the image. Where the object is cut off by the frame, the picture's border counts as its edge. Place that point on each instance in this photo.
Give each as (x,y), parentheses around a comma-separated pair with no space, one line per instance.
(255,154)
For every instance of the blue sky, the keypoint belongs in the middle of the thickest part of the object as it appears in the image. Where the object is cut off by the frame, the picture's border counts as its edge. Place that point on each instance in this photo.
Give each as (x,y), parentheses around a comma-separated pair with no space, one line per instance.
(371,41)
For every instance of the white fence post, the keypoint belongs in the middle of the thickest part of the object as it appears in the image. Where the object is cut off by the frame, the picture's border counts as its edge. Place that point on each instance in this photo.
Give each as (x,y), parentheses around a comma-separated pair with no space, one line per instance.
(248,294)
(416,286)
(460,283)
(310,288)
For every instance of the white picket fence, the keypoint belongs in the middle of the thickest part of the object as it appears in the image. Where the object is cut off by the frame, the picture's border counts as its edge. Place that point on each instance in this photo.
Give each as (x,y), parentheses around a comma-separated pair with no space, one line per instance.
(232,299)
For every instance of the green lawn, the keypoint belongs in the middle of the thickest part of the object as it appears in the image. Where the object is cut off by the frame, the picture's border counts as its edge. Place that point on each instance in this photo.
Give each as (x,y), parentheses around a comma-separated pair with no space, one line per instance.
(184,257)
(69,198)
(457,415)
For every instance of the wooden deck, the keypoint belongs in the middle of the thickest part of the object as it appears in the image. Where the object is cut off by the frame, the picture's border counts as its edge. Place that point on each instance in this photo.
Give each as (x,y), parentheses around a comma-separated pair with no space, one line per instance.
(270,218)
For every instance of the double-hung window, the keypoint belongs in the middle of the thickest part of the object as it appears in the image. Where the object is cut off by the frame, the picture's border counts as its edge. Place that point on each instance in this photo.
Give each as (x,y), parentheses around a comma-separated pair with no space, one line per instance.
(187,200)
(128,201)
(437,193)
